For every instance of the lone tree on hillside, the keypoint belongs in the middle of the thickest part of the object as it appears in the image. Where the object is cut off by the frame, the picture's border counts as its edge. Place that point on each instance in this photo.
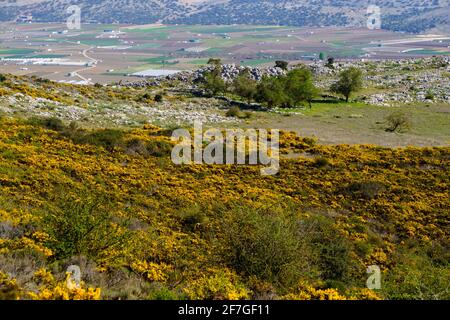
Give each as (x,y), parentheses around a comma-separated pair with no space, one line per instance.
(215,61)
(330,63)
(350,81)
(299,86)
(214,82)
(281,64)
(245,86)
(397,121)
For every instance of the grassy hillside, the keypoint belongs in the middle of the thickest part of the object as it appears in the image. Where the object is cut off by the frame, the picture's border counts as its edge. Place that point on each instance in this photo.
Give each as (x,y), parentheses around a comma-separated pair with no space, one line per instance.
(139,227)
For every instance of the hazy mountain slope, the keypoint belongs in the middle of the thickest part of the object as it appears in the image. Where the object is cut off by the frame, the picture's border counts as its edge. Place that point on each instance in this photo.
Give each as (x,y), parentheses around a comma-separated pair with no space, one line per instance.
(124,11)
(402,15)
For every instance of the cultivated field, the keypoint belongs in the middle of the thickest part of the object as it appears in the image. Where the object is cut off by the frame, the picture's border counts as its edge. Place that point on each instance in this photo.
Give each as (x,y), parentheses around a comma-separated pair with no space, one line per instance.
(120,50)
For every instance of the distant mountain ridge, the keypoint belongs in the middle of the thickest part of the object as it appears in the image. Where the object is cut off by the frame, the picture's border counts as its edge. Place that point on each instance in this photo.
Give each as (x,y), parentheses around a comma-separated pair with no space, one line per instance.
(397,15)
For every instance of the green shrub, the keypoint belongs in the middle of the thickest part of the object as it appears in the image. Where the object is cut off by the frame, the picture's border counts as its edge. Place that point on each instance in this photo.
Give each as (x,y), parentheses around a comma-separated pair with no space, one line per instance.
(145,97)
(331,250)
(193,219)
(135,147)
(72,130)
(334,253)
(233,112)
(364,189)
(159,148)
(159,98)
(237,113)
(397,122)
(417,276)
(321,162)
(429,95)
(246,115)
(2,77)
(156,148)
(53,124)
(83,225)
(106,138)
(266,245)
(279,247)
(164,293)
(309,141)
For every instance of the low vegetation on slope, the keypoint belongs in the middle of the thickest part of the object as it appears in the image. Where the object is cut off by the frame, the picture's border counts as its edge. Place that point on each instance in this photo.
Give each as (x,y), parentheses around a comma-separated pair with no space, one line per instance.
(139,227)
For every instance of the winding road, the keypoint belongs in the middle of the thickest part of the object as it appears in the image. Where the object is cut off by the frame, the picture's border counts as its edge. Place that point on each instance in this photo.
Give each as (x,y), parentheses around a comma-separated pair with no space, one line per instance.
(93,64)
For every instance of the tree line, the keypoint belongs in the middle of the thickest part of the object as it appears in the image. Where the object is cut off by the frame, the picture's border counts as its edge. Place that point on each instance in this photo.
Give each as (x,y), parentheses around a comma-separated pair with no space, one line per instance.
(294,88)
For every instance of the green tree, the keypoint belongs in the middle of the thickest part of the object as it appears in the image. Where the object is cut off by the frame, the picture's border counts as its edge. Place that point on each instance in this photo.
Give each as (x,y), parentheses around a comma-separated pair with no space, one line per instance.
(215,61)
(270,90)
(214,82)
(322,56)
(159,97)
(350,81)
(281,64)
(245,86)
(397,121)
(330,63)
(2,77)
(299,86)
